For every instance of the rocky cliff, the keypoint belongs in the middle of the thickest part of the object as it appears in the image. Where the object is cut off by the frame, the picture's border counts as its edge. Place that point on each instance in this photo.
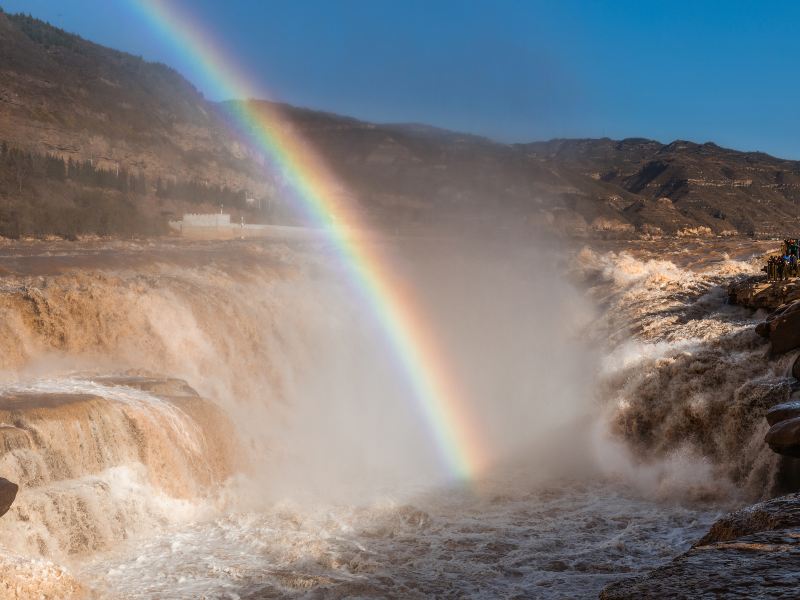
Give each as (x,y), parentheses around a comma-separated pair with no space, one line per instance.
(751,553)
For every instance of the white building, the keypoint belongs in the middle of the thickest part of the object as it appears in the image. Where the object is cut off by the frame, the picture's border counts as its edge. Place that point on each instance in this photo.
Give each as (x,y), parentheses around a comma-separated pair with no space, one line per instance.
(206,220)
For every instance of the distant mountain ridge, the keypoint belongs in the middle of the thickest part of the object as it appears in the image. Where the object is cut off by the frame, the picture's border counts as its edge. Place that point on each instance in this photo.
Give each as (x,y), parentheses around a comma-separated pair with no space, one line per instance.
(71,98)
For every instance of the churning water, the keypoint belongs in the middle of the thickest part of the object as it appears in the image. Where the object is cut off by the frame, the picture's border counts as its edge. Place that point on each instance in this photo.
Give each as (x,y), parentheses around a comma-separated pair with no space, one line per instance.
(562,539)
(612,390)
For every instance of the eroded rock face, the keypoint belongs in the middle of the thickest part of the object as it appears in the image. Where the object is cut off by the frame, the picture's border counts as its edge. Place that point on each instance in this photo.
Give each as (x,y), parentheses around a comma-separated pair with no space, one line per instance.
(784,437)
(778,513)
(763,565)
(783,411)
(757,292)
(782,325)
(784,328)
(762,329)
(751,553)
(783,418)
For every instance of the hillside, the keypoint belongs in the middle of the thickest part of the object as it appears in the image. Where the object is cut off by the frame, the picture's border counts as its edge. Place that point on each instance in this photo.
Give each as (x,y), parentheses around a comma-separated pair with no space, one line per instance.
(591,186)
(684,183)
(66,99)
(65,95)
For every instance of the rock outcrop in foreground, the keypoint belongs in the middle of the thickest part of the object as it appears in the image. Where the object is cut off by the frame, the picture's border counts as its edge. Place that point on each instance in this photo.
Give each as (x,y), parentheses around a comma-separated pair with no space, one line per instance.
(782,329)
(757,292)
(8,492)
(751,553)
(784,433)
(782,299)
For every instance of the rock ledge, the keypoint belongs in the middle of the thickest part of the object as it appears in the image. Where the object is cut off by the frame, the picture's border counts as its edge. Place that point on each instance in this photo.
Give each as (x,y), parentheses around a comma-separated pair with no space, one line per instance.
(750,553)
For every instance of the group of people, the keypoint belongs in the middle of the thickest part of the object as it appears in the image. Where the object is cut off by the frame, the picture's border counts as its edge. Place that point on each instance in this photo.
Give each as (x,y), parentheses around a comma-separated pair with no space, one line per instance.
(786,265)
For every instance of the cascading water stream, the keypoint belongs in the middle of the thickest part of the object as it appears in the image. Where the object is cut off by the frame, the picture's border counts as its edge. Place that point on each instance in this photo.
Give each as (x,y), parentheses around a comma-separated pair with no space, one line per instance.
(299,464)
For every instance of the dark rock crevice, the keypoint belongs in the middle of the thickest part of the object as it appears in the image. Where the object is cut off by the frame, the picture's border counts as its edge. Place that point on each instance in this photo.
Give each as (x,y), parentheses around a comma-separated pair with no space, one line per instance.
(8,493)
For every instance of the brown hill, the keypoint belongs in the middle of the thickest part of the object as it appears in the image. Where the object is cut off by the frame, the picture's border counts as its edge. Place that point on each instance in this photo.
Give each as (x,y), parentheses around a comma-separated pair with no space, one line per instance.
(78,101)
(598,186)
(68,96)
(688,184)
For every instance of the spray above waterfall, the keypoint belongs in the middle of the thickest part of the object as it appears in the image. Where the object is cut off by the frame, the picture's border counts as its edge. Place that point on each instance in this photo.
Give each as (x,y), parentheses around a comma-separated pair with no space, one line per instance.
(438,398)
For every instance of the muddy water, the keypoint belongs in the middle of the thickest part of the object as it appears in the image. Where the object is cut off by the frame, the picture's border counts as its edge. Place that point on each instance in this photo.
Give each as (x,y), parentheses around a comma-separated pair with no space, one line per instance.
(558,540)
(621,387)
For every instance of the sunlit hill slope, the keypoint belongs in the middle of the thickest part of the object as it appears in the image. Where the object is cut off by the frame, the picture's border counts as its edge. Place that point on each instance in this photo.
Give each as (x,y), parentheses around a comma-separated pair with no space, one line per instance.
(100,141)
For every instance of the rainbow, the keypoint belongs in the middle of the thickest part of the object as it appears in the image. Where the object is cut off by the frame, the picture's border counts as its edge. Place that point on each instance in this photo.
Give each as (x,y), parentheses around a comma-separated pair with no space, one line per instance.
(324,199)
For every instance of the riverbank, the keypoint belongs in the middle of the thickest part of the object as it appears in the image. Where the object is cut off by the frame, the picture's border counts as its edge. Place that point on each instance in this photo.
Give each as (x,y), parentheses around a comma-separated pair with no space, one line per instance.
(630,395)
(752,552)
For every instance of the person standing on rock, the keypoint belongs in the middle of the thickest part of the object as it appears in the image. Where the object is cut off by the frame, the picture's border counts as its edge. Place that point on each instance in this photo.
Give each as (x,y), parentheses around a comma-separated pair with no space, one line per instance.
(781,267)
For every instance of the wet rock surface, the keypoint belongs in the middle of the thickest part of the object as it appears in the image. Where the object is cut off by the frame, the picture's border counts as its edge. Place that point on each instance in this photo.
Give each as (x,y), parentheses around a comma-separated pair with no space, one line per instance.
(778,513)
(750,553)
(783,411)
(8,492)
(783,328)
(782,298)
(784,437)
(783,418)
(759,293)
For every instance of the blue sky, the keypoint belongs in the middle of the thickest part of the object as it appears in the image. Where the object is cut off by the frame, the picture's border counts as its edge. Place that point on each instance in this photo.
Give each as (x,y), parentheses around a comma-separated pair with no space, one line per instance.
(512,70)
